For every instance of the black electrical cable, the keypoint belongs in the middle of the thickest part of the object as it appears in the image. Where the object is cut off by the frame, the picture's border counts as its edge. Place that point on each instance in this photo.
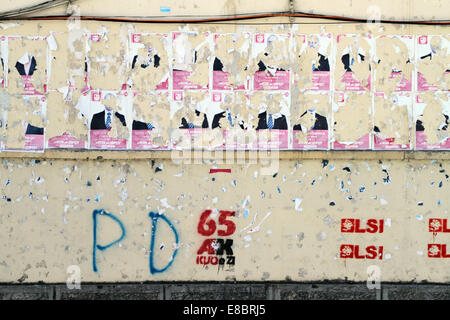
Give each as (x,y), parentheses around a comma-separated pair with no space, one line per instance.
(224,18)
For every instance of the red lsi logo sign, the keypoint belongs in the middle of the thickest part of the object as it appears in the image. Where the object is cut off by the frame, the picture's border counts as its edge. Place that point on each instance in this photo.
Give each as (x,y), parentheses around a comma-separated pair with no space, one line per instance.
(350,251)
(355,226)
(438,251)
(438,225)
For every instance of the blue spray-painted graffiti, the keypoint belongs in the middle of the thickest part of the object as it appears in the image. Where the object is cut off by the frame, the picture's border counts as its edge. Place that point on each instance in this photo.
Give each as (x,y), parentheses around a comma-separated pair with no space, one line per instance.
(154,216)
(96,246)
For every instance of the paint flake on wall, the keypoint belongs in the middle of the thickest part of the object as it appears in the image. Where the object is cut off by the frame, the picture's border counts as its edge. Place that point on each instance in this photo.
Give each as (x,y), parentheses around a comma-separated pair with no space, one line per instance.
(431,118)
(392,121)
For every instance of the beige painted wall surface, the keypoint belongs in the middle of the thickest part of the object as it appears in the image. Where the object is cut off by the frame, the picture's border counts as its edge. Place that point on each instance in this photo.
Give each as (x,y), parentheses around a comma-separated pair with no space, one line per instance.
(288,225)
(284,225)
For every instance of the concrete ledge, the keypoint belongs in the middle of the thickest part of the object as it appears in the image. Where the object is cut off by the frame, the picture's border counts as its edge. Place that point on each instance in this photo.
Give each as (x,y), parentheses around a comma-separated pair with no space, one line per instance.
(226,291)
(229,155)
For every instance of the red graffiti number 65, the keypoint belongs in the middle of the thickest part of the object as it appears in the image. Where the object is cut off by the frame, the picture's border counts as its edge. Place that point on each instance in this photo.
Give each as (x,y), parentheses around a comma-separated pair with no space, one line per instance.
(208,227)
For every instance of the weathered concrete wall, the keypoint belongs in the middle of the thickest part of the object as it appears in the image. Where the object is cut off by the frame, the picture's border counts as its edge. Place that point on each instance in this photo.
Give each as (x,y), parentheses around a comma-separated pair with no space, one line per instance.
(129,216)
(283,226)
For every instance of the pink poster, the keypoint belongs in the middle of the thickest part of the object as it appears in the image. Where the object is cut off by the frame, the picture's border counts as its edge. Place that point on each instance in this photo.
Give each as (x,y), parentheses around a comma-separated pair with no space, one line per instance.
(422,144)
(221,82)
(320,80)
(190,141)
(361,144)
(101,140)
(34,142)
(163,85)
(180,76)
(353,84)
(265,81)
(389,144)
(234,142)
(66,141)
(29,87)
(142,140)
(275,139)
(405,84)
(422,84)
(315,140)
(181,82)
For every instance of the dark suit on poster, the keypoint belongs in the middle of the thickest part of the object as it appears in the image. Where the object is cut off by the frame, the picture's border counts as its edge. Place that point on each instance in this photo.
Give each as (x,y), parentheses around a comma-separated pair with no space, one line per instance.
(98,122)
(34,130)
(218,116)
(347,63)
(323,64)
(278,123)
(319,124)
(21,68)
(185,124)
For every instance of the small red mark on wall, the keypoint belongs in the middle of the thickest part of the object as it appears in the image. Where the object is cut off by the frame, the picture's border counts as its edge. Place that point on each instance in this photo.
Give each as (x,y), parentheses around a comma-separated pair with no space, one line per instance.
(219,170)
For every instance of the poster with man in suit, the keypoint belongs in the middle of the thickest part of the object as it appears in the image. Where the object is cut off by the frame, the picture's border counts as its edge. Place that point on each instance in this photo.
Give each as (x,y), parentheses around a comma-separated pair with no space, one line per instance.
(310,115)
(108,129)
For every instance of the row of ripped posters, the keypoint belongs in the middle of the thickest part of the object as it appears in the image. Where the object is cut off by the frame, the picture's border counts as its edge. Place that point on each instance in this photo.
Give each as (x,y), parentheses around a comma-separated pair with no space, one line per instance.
(153,91)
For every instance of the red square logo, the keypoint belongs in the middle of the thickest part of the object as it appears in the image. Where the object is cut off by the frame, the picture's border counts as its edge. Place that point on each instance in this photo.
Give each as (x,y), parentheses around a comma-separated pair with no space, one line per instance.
(96,96)
(259,38)
(95,37)
(423,40)
(178,96)
(346,251)
(217,97)
(434,250)
(347,225)
(435,225)
(136,38)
